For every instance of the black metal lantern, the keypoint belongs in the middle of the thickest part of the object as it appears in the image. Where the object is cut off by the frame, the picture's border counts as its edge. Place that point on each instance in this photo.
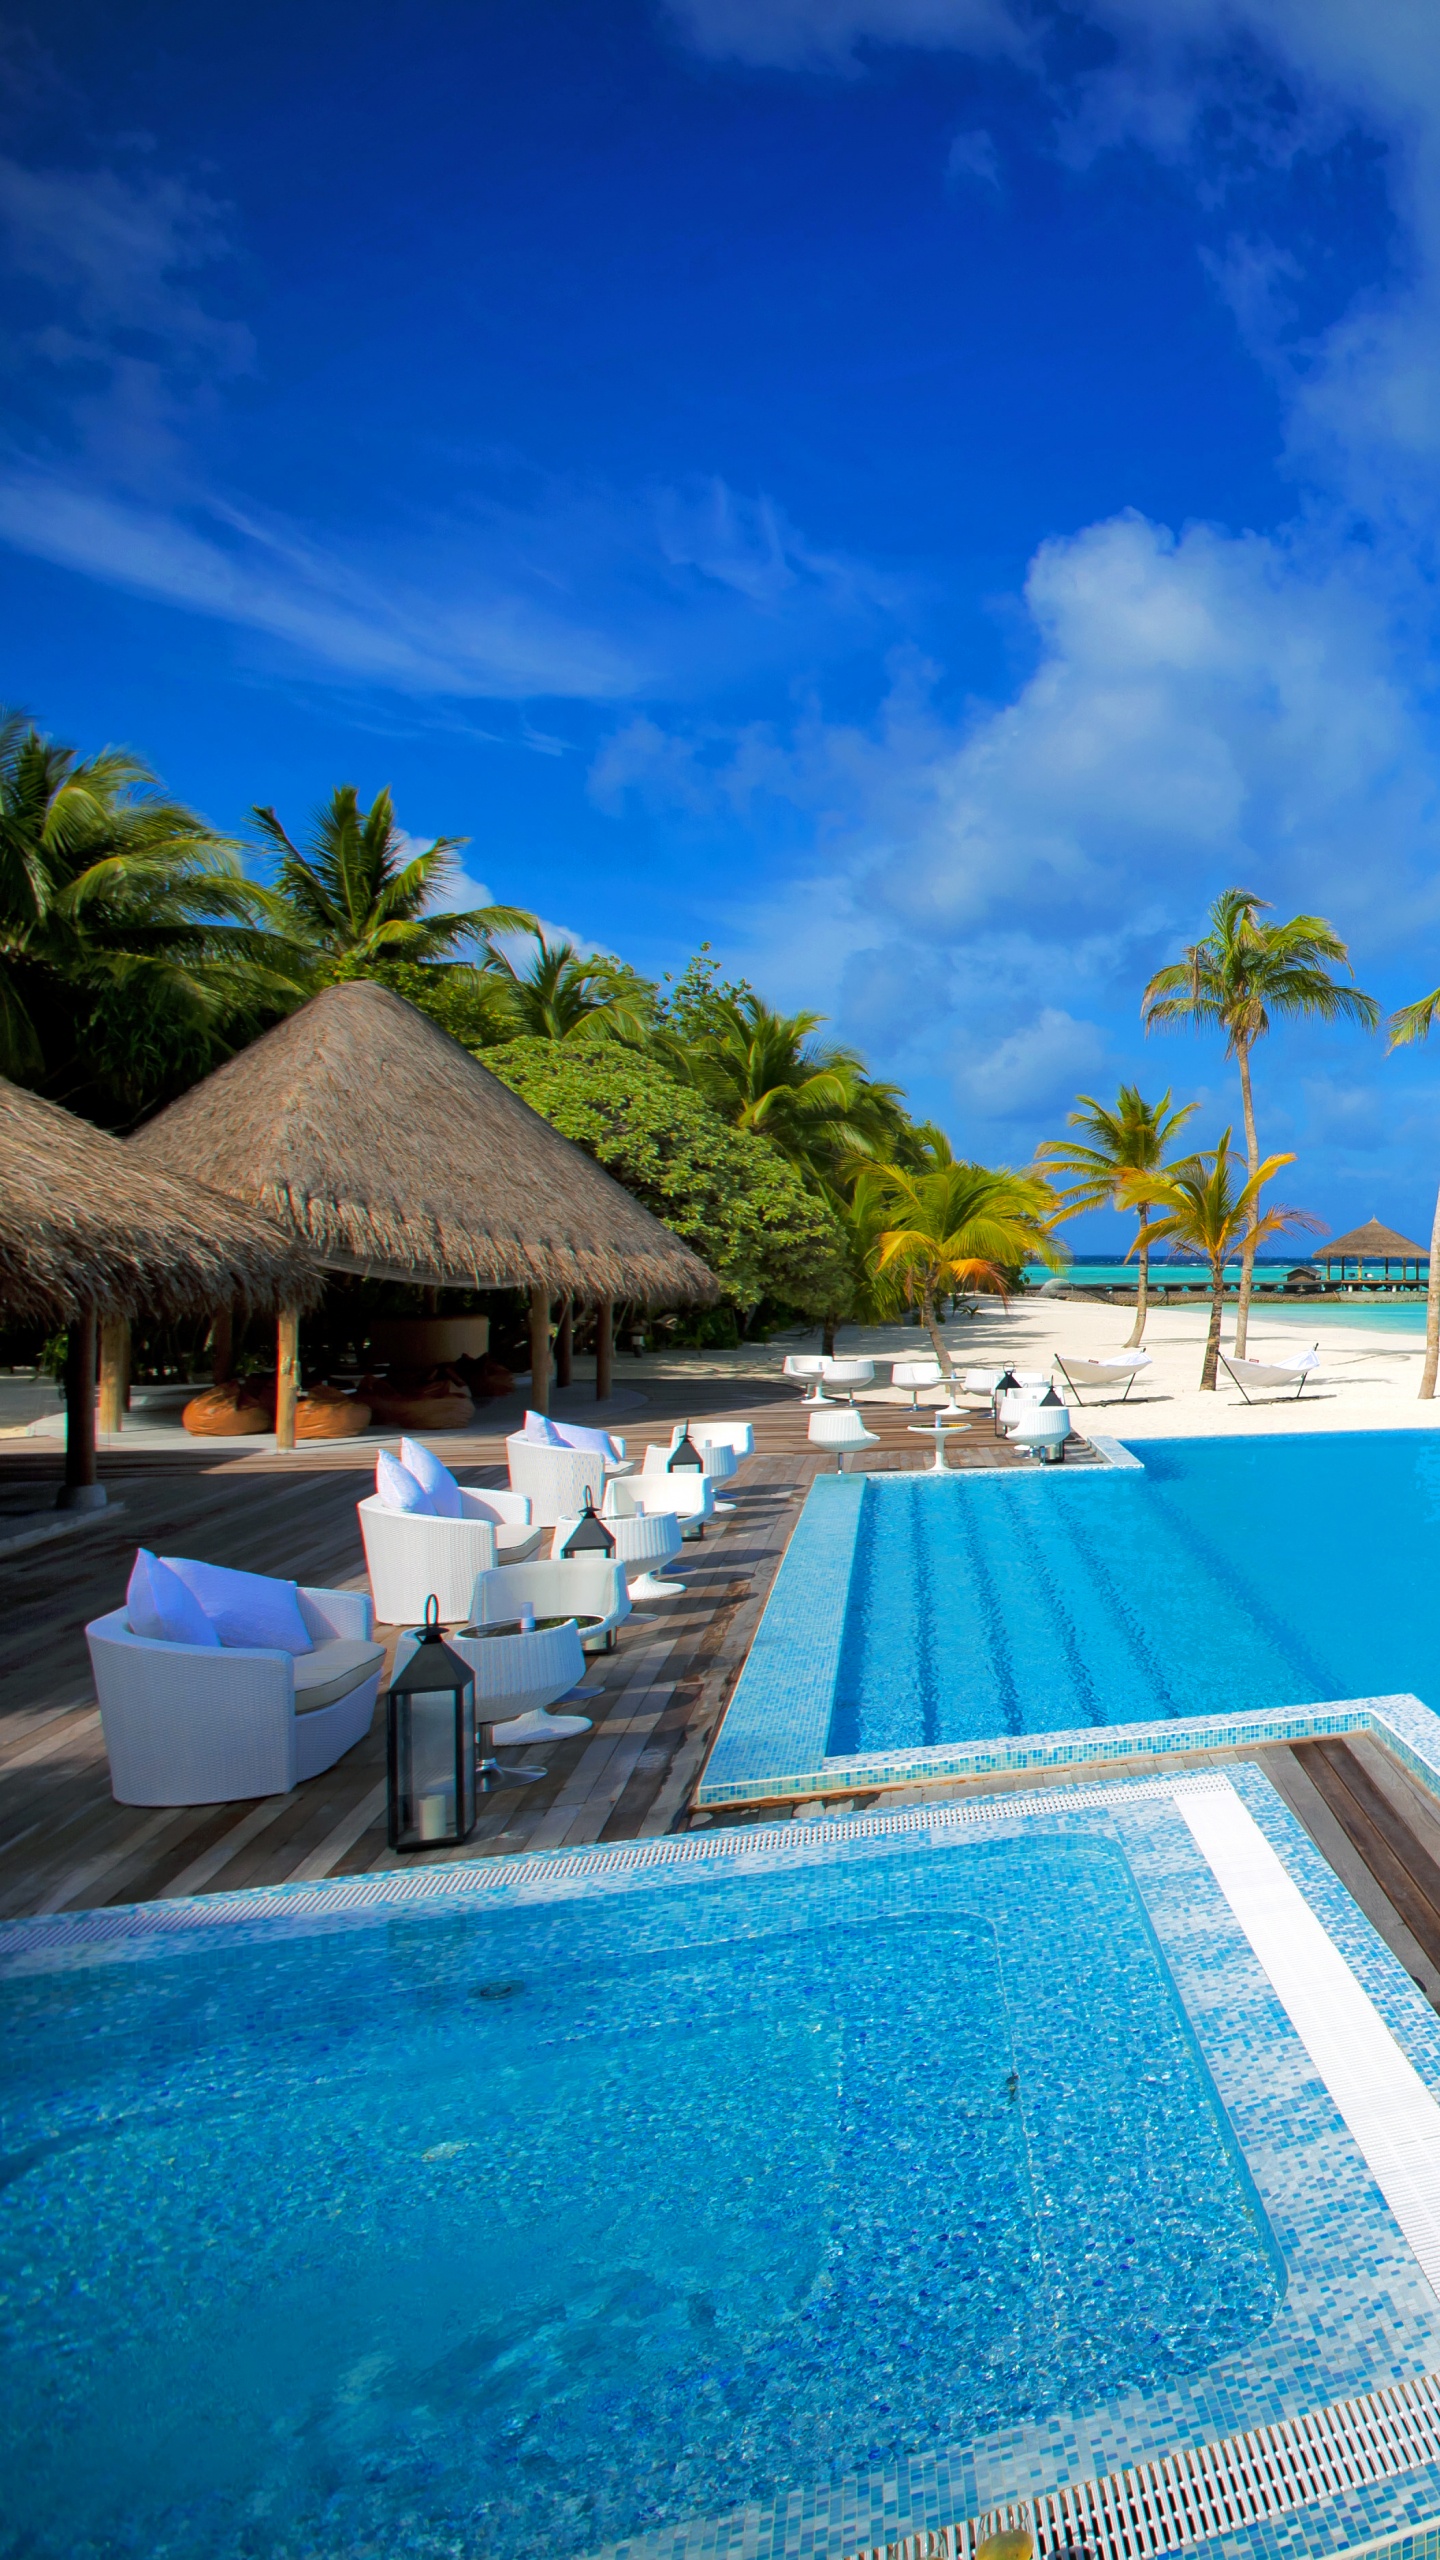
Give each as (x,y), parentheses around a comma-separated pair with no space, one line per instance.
(1005,1385)
(589,1537)
(431,1738)
(1050,1397)
(685,1458)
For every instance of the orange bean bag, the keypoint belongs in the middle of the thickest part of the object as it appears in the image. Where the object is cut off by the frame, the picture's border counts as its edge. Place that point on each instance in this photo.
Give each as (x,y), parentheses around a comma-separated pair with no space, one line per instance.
(406,1400)
(231,1411)
(327,1413)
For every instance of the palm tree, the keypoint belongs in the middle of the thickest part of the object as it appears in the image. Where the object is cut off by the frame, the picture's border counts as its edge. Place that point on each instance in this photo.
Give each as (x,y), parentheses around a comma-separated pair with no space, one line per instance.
(1204,1210)
(1131,1137)
(564,994)
(1239,977)
(765,1071)
(954,1226)
(351,902)
(1415,1022)
(132,948)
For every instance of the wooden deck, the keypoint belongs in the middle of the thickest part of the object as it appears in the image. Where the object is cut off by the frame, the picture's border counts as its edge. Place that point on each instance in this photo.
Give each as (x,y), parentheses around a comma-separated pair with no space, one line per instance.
(65,1843)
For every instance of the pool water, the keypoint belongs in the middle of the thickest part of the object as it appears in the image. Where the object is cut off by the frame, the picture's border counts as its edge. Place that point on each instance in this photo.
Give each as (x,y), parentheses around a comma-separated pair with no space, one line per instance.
(528,2228)
(1226,1575)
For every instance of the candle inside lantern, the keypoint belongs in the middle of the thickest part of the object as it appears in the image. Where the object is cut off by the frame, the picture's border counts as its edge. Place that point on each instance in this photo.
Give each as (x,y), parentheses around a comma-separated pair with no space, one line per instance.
(437,1813)
(527,1618)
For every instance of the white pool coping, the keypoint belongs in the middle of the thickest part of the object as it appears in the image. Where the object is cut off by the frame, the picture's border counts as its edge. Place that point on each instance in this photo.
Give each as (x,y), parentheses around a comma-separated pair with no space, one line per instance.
(1391,2114)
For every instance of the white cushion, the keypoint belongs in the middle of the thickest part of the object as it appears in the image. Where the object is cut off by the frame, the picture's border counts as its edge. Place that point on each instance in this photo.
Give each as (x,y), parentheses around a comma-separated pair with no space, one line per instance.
(433,1479)
(332,1670)
(398,1489)
(246,1608)
(578,1435)
(538,1426)
(161,1607)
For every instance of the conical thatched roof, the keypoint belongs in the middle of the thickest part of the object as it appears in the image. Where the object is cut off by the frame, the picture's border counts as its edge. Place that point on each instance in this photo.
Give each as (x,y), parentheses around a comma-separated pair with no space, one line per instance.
(82,1224)
(373,1136)
(1370,1243)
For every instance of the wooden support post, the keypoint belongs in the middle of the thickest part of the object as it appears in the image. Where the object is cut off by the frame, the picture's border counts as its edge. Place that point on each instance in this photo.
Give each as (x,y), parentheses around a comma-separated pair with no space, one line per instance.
(287,1376)
(222,1346)
(540,1350)
(604,1348)
(114,1372)
(82,1489)
(564,1344)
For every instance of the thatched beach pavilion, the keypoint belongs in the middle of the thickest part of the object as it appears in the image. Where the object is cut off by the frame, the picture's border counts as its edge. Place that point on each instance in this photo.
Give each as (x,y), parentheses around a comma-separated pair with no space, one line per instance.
(1372,1244)
(89,1238)
(388,1151)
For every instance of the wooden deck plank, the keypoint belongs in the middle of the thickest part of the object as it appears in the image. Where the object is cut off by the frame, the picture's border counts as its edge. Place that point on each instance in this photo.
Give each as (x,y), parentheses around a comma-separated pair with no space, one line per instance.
(62,1836)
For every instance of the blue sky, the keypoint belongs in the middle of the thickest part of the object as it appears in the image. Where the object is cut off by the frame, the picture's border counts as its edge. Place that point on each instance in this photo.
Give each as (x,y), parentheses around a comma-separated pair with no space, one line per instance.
(921,493)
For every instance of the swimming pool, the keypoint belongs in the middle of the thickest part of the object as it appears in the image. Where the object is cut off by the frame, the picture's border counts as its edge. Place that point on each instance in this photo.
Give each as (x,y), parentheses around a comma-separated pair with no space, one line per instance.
(921,1613)
(735,2198)
(1265,1573)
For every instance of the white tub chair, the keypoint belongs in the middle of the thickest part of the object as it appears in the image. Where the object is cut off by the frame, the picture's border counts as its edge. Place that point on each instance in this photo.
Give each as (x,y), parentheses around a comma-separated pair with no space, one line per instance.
(739,1436)
(202,1724)
(1045,1428)
(585,1586)
(807,1366)
(409,1554)
(517,1678)
(844,1432)
(554,1481)
(645,1542)
(689,1492)
(915,1374)
(721,1460)
(847,1375)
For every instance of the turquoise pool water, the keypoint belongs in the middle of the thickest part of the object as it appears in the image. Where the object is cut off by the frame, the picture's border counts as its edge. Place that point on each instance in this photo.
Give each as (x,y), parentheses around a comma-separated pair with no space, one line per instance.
(1227,1575)
(498,2231)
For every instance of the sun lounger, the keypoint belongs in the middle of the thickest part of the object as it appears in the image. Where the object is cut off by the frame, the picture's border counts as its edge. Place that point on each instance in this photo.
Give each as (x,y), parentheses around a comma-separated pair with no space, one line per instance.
(1117,1367)
(1252,1375)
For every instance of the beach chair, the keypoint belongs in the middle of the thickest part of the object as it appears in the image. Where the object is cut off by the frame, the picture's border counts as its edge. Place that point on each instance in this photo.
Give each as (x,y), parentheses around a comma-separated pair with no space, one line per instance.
(1097,1374)
(1252,1375)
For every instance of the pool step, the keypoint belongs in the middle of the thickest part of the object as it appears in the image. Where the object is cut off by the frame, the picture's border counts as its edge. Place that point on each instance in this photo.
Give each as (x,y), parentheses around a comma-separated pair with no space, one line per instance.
(1370,1802)
(1152,2507)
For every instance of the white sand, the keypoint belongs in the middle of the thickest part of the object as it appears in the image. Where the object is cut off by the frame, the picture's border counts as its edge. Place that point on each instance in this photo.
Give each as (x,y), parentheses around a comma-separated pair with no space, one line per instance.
(1368,1381)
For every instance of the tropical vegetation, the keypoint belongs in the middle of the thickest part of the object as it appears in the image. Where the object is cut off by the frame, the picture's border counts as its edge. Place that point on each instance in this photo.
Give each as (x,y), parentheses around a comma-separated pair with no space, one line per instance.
(946,1226)
(1415,1022)
(1209,1212)
(1238,978)
(1131,1136)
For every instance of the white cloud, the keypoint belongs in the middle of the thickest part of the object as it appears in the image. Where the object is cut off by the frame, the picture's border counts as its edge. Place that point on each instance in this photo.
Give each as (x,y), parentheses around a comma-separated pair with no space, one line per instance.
(800,33)
(1036,1070)
(973,155)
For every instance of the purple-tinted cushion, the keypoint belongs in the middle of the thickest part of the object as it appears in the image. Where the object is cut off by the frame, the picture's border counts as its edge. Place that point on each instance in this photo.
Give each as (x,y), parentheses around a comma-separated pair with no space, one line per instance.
(159,1606)
(398,1489)
(246,1608)
(578,1435)
(433,1479)
(538,1426)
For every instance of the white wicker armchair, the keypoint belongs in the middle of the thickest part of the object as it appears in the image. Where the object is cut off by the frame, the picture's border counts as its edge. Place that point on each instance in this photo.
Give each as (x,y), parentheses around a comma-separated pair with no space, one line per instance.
(409,1554)
(554,1481)
(200,1724)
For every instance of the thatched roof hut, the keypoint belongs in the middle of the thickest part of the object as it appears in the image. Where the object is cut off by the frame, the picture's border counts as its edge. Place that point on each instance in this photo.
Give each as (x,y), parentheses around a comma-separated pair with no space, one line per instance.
(1372,1243)
(86,1229)
(389,1151)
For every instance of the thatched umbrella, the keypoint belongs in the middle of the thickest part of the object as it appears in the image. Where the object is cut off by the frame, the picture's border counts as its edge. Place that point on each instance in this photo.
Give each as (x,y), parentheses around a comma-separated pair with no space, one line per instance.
(389,1151)
(89,1236)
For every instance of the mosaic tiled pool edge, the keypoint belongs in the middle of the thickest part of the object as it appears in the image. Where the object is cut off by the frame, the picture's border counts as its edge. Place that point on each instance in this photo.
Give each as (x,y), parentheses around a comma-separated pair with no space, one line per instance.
(935,2487)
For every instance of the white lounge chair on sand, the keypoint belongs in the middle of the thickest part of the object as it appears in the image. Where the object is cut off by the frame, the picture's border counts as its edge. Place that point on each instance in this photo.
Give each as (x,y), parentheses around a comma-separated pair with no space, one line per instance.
(1117,1369)
(192,1724)
(844,1432)
(1251,1376)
